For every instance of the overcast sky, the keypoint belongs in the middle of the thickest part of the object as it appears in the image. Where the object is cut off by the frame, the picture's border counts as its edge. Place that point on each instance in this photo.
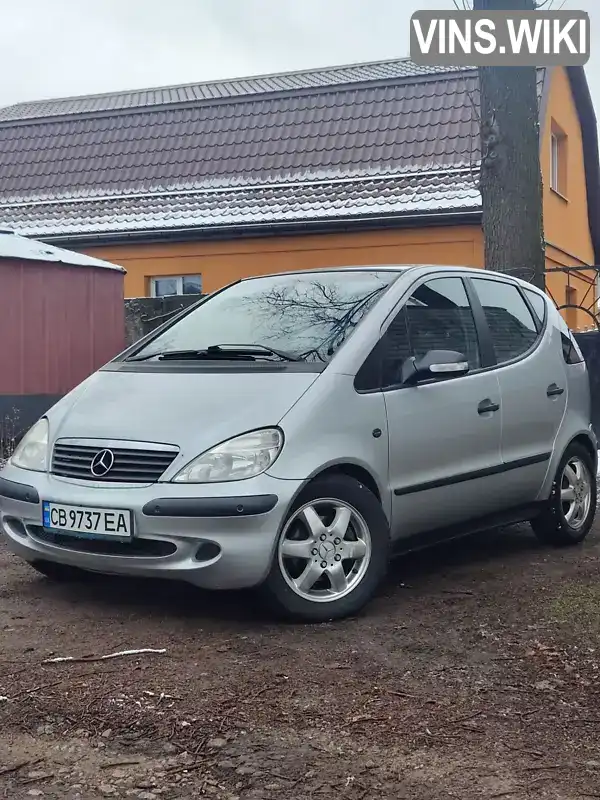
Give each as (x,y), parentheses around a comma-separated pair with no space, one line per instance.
(57,48)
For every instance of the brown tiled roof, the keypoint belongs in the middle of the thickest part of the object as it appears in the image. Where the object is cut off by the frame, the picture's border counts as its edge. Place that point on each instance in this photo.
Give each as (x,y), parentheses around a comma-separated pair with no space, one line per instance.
(291,136)
(210,90)
(364,142)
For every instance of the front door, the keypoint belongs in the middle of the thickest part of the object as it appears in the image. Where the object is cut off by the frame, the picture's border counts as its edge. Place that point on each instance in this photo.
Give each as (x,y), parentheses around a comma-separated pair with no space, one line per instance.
(444,436)
(533,385)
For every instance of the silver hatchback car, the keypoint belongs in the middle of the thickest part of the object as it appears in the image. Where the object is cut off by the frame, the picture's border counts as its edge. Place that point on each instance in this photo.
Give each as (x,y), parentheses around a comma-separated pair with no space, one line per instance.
(293,432)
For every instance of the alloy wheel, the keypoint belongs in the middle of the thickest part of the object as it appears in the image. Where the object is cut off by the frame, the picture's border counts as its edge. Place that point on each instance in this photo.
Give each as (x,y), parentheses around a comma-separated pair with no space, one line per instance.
(324,550)
(576,492)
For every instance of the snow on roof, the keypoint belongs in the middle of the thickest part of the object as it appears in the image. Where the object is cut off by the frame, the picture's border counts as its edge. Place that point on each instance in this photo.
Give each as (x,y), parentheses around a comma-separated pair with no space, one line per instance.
(14,246)
(450,190)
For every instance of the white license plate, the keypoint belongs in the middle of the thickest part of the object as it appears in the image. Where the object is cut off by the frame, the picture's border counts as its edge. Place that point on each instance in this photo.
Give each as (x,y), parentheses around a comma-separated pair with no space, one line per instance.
(98,523)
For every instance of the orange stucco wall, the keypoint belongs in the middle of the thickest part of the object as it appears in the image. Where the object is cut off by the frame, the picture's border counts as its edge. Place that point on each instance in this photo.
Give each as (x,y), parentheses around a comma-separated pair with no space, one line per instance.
(568,240)
(565,220)
(220,262)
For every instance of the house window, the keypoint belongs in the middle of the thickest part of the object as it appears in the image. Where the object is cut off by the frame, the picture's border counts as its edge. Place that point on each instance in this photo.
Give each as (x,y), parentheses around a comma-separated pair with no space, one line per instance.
(558,160)
(175,284)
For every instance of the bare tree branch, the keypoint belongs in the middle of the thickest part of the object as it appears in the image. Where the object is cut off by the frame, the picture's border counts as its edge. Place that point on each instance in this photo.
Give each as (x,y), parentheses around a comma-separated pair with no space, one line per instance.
(322,314)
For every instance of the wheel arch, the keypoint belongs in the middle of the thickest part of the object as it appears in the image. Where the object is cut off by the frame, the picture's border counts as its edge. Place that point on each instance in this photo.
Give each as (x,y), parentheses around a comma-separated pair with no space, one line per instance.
(585,441)
(581,437)
(350,469)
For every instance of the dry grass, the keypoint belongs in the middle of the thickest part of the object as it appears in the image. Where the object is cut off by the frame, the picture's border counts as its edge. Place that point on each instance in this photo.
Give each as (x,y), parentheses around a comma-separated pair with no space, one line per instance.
(577,605)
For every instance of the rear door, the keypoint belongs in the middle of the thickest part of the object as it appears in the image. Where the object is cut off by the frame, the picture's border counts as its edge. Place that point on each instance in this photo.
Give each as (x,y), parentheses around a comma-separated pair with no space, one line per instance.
(533,387)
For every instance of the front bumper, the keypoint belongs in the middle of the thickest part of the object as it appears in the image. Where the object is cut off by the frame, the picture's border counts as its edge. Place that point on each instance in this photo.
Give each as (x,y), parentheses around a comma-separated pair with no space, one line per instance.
(217,536)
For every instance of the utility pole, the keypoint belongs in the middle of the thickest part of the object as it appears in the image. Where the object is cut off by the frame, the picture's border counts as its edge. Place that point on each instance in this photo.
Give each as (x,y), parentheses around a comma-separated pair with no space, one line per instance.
(510,177)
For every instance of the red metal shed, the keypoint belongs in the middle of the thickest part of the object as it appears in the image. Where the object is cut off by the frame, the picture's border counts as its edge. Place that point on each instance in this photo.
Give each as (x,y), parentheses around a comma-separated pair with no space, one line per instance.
(61,318)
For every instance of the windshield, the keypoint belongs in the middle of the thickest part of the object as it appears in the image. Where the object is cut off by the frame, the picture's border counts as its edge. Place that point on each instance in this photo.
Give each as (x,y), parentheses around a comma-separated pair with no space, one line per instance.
(307,316)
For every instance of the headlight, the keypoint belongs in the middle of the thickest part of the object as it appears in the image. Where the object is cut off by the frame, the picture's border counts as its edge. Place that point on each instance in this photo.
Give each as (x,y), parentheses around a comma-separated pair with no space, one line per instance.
(32,450)
(244,456)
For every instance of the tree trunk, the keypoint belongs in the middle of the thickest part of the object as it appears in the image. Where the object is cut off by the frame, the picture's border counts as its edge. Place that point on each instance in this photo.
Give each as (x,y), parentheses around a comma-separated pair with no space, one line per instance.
(510,178)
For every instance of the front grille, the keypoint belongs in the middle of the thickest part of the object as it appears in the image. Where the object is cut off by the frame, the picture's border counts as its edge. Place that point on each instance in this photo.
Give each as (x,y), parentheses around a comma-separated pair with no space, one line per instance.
(147,548)
(129,465)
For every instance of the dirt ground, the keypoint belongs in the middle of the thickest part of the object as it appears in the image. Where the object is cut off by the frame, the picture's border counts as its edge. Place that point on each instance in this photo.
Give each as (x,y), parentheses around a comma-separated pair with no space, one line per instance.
(473,675)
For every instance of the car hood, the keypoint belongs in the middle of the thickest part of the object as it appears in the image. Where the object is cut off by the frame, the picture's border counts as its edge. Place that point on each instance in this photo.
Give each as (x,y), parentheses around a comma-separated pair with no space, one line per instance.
(193,410)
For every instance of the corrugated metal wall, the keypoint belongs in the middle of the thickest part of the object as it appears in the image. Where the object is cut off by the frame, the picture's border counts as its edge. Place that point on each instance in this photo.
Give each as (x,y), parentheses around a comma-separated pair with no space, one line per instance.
(58,324)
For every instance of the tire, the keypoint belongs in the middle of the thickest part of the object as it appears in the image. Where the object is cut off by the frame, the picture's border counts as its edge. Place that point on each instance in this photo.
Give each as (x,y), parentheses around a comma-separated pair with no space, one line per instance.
(561,524)
(59,573)
(362,534)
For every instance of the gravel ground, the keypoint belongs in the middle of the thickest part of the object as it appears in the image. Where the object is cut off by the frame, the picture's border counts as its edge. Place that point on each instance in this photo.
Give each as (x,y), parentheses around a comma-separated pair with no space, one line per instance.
(473,675)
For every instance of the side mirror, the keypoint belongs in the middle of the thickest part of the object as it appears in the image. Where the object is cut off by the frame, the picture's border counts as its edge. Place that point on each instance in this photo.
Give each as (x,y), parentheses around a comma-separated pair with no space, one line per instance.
(434,364)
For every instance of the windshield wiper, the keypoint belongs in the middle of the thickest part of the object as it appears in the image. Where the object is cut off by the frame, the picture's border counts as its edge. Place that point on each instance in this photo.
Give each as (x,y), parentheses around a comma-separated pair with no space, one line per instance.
(254,349)
(241,352)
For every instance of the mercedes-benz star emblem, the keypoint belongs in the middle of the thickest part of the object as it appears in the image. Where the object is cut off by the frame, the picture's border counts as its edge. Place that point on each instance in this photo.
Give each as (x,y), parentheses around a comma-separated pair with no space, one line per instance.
(102,463)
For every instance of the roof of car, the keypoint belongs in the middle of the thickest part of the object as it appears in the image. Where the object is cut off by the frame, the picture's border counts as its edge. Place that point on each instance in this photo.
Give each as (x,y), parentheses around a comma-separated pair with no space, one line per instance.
(395,268)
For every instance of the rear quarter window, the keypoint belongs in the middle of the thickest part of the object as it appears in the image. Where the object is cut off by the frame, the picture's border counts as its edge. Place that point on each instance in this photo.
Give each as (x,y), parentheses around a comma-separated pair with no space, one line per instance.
(571,351)
(539,306)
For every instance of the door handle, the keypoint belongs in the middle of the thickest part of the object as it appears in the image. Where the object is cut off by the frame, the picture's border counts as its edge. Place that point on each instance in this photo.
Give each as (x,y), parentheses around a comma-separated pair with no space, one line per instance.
(554,390)
(486,406)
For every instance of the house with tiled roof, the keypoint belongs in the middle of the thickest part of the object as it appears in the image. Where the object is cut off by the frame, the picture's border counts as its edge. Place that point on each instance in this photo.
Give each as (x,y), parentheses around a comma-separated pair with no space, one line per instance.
(190,187)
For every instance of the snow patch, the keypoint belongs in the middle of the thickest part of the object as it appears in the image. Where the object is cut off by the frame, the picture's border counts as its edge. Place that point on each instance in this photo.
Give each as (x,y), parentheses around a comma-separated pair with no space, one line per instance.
(14,246)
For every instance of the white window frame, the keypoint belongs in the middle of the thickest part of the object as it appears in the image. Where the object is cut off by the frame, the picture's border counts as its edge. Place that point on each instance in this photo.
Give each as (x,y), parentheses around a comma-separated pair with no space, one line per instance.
(554,161)
(178,278)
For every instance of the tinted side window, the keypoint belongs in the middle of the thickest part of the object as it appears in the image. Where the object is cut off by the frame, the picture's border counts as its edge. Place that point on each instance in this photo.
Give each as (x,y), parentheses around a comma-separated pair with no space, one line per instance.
(396,349)
(437,316)
(571,351)
(538,303)
(511,325)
